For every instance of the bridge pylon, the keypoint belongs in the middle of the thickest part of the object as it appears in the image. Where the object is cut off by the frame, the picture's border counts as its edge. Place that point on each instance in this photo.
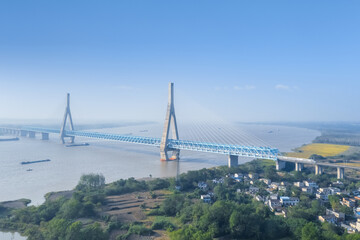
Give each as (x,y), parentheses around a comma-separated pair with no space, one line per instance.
(66,115)
(170,121)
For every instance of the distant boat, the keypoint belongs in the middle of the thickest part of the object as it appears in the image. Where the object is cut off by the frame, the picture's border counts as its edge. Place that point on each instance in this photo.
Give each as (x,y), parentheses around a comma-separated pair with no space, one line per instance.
(38,161)
(270,131)
(29,170)
(9,139)
(76,144)
(144,130)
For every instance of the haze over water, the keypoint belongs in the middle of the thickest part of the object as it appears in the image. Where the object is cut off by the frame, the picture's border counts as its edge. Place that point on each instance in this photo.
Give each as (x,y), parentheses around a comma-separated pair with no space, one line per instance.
(115,160)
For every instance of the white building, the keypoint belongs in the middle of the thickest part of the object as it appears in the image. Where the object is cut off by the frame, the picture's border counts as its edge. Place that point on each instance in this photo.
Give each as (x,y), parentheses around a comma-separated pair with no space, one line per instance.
(289,201)
(206,198)
(238,175)
(298,184)
(310,184)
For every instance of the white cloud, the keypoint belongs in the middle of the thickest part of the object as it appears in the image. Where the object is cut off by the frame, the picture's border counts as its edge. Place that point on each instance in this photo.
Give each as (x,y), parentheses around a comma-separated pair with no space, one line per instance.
(246,87)
(282,87)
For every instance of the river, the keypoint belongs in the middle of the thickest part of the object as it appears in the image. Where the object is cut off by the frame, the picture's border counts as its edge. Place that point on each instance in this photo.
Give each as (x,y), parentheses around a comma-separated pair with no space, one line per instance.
(113,159)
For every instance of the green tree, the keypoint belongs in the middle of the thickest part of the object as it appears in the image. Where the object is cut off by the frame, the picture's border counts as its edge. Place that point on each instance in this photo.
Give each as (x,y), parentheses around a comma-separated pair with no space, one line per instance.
(310,232)
(189,232)
(73,232)
(56,229)
(90,182)
(71,209)
(173,204)
(93,232)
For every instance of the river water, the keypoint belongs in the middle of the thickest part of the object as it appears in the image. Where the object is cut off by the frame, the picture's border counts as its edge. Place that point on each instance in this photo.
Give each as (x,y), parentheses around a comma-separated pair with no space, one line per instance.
(113,159)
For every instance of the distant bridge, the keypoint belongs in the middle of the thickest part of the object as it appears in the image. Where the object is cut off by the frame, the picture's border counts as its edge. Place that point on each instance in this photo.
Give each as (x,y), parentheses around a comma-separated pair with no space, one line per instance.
(175,144)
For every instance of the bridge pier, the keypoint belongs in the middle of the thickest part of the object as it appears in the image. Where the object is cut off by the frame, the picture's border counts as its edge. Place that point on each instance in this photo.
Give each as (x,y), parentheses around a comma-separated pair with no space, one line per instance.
(340,173)
(233,161)
(31,134)
(170,121)
(44,136)
(299,166)
(280,165)
(23,133)
(318,170)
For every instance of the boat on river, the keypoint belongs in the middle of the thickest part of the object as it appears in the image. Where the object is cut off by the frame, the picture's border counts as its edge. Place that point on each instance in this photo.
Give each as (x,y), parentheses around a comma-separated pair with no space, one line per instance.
(37,161)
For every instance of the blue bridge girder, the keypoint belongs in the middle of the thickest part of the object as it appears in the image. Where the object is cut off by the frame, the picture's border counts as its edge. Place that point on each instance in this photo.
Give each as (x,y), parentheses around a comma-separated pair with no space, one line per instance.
(228,149)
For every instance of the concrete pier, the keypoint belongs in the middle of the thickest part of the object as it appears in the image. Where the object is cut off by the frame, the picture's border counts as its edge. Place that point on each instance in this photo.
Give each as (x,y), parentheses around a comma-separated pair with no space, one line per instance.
(31,134)
(23,133)
(233,161)
(299,166)
(44,136)
(280,165)
(318,170)
(340,173)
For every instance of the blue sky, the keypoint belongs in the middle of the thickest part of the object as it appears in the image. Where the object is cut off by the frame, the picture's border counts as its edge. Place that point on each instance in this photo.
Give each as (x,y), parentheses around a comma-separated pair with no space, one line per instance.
(239,60)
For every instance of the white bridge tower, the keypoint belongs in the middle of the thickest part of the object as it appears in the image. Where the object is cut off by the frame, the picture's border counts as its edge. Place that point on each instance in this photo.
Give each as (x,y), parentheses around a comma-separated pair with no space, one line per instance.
(67,113)
(170,121)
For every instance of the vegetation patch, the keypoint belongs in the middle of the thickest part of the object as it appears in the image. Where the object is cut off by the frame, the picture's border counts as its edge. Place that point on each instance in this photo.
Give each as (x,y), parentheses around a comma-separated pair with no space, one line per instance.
(325,150)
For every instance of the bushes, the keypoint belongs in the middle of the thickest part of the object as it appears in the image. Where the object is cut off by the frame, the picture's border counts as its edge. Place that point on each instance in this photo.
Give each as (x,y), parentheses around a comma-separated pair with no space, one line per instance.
(125,186)
(135,229)
(162,223)
(158,183)
(173,204)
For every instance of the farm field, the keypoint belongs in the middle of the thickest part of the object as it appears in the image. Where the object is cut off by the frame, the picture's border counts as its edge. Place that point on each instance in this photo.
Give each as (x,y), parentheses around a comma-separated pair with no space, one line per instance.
(325,150)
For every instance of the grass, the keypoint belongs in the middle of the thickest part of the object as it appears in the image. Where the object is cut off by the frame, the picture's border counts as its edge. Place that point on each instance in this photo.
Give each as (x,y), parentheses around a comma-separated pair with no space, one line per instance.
(325,150)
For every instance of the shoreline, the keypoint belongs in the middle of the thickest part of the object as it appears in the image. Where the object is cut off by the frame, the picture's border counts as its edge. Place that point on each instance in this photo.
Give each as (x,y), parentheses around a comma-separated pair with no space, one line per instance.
(204,162)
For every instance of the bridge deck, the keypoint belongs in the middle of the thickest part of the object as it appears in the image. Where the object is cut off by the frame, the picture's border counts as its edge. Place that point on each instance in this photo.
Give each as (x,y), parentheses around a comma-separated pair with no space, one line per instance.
(238,150)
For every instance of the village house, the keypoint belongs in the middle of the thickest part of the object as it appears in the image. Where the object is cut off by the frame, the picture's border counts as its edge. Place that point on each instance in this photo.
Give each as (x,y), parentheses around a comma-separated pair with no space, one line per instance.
(356,225)
(220,180)
(274,186)
(253,190)
(260,198)
(273,197)
(253,176)
(202,185)
(206,198)
(265,180)
(289,201)
(332,217)
(339,215)
(310,184)
(322,196)
(239,175)
(349,202)
(337,184)
(328,218)
(299,184)
(274,205)
(308,190)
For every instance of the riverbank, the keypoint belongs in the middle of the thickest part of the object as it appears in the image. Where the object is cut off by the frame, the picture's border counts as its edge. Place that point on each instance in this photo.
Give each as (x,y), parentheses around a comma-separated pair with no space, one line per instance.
(212,203)
(114,160)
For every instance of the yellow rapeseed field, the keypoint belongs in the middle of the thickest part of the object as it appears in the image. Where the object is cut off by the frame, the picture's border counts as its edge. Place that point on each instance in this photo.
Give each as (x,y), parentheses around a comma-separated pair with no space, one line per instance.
(322,149)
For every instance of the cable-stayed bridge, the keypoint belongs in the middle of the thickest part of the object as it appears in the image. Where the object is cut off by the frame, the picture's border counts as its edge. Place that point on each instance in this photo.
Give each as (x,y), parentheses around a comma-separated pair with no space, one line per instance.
(237,150)
(173,144)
